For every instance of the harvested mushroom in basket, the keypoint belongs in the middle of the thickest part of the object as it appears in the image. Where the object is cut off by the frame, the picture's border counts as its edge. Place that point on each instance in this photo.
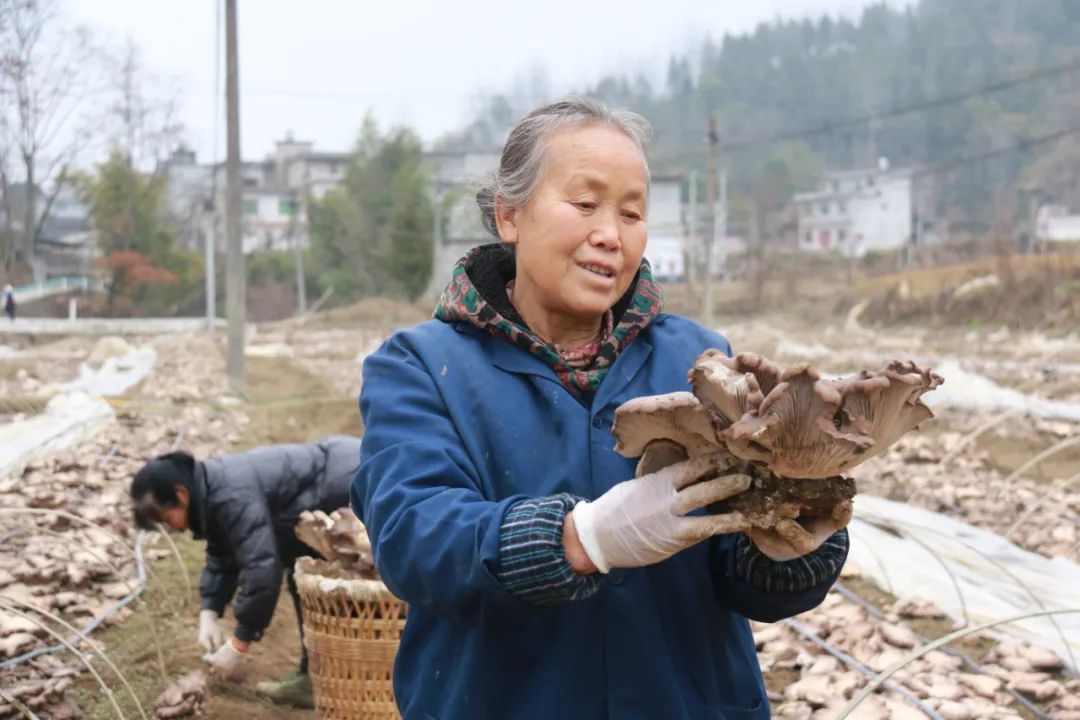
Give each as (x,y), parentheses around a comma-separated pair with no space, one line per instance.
(790,429)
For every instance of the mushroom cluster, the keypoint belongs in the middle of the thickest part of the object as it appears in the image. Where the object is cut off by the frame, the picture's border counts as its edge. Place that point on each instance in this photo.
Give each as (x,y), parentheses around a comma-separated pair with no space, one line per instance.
(340,538)
(183,698)
(817,684)
(39,686)
(58,564)
(794,431)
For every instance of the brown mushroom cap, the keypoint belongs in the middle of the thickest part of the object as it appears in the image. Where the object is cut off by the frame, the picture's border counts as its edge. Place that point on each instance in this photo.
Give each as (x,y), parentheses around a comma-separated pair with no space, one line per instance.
(792,422)
(731,387)
(658,455)
(183,697)
(809,427)
(337,536)
(888,405)
(679,417)
(793,431)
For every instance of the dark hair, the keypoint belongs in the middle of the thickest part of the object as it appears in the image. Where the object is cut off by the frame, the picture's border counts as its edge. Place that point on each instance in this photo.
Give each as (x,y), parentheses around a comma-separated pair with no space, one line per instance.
(153,489)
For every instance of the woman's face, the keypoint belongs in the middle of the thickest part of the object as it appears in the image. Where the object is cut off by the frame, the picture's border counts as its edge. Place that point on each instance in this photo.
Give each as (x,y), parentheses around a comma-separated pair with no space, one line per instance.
(580,237)
(176,518)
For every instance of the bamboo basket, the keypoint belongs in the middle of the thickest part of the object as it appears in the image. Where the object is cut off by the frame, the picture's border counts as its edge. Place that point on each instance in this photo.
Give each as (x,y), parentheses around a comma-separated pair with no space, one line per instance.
(352,629)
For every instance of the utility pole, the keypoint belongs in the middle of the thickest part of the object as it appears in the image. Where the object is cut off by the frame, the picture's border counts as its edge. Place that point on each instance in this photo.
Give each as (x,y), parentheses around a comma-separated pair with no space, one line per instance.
(693,266)
(710,227)
(301,286)
(756,242)
(210,250)
(721,222)
(235,279)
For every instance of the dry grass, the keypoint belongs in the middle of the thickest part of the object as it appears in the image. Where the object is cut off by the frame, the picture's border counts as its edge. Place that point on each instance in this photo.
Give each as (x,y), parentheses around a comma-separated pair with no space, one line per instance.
(374,313)
(928,281)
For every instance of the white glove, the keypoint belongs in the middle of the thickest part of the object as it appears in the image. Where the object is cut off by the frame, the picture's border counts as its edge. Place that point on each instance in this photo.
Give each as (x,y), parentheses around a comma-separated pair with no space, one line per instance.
(226,659)
(643,521)
(210,635)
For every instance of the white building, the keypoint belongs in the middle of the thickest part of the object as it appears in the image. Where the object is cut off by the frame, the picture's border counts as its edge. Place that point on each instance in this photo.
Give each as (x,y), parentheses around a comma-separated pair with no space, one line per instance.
(1053,223)
(274,191)
(300,169)
(666,250)
(187,191)
(856,211)
(455,177)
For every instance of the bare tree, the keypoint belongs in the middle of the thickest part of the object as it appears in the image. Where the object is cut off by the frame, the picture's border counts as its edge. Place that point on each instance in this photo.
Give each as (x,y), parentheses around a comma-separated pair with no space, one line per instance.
(139,121)
(142,118)
(7,209)
(45,74)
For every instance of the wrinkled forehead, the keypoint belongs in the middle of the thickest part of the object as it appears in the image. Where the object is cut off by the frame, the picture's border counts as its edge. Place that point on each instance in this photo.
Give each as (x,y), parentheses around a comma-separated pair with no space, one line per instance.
(599,152)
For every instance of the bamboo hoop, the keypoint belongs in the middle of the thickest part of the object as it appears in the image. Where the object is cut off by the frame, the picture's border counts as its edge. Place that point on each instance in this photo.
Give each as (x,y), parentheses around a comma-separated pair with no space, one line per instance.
(23,710)
(111,535)
(1038,504)
(74,651)
(979,431)
(900,664)
(97,651)
(1048,452)
(164,532)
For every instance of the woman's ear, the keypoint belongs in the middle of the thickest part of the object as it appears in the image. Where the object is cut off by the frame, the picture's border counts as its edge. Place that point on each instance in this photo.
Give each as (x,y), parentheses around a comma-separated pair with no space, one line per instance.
(506,221)
(183,496)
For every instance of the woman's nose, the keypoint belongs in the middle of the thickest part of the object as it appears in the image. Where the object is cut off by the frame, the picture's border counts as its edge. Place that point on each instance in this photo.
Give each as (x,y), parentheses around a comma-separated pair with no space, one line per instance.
(605,234)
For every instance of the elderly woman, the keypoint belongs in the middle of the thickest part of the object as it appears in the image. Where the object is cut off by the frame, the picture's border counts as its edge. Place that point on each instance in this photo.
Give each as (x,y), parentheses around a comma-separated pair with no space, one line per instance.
(543,580)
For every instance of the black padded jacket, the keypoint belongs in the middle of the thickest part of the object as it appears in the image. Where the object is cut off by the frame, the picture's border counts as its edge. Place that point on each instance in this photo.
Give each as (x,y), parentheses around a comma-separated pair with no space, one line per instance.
(246,505)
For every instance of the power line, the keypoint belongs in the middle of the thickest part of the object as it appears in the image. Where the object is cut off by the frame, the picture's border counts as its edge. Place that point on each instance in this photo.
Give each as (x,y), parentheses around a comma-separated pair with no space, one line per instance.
(945,166)
(939,102)
(899,111)
(729,147)
(331,95)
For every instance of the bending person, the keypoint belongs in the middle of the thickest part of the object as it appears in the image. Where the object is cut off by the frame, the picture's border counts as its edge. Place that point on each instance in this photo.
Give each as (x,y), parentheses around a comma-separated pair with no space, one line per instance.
(245,506)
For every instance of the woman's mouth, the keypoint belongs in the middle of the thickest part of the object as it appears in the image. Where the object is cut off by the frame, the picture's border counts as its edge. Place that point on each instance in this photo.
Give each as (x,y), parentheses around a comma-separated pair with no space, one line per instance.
(598,270)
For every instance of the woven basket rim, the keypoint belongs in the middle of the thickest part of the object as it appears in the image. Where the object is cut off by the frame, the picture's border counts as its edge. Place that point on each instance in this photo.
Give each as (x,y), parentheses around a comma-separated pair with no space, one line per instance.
(309,578)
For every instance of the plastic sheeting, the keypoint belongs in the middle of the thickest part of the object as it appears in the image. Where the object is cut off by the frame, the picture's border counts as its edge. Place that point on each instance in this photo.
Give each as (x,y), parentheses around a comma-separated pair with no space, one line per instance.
(78,411)
(106,326)
(906,550)
(67,420)
(971,392)
(116,375)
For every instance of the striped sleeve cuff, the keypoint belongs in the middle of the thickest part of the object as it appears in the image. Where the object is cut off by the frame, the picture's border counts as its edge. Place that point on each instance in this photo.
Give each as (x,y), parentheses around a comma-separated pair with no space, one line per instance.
(532,566)
(792,576)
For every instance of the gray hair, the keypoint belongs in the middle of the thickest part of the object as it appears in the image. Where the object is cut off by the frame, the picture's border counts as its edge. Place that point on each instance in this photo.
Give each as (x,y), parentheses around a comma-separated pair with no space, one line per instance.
(524,157)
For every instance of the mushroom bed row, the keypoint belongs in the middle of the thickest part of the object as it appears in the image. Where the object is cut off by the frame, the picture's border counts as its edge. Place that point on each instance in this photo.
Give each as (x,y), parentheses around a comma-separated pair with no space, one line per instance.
(90,481)
(67,548)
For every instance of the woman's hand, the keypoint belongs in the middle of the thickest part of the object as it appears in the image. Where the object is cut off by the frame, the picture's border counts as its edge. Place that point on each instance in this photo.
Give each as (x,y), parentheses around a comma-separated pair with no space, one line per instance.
(573,550)
(794,538)
(645,520)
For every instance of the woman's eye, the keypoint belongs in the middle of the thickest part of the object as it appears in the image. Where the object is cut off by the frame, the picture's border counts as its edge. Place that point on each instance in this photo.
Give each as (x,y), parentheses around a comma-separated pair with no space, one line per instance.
(585,205)
(631,215)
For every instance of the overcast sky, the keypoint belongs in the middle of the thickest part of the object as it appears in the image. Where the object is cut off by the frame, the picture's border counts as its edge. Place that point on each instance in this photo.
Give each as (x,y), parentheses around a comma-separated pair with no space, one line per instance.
(315,67)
